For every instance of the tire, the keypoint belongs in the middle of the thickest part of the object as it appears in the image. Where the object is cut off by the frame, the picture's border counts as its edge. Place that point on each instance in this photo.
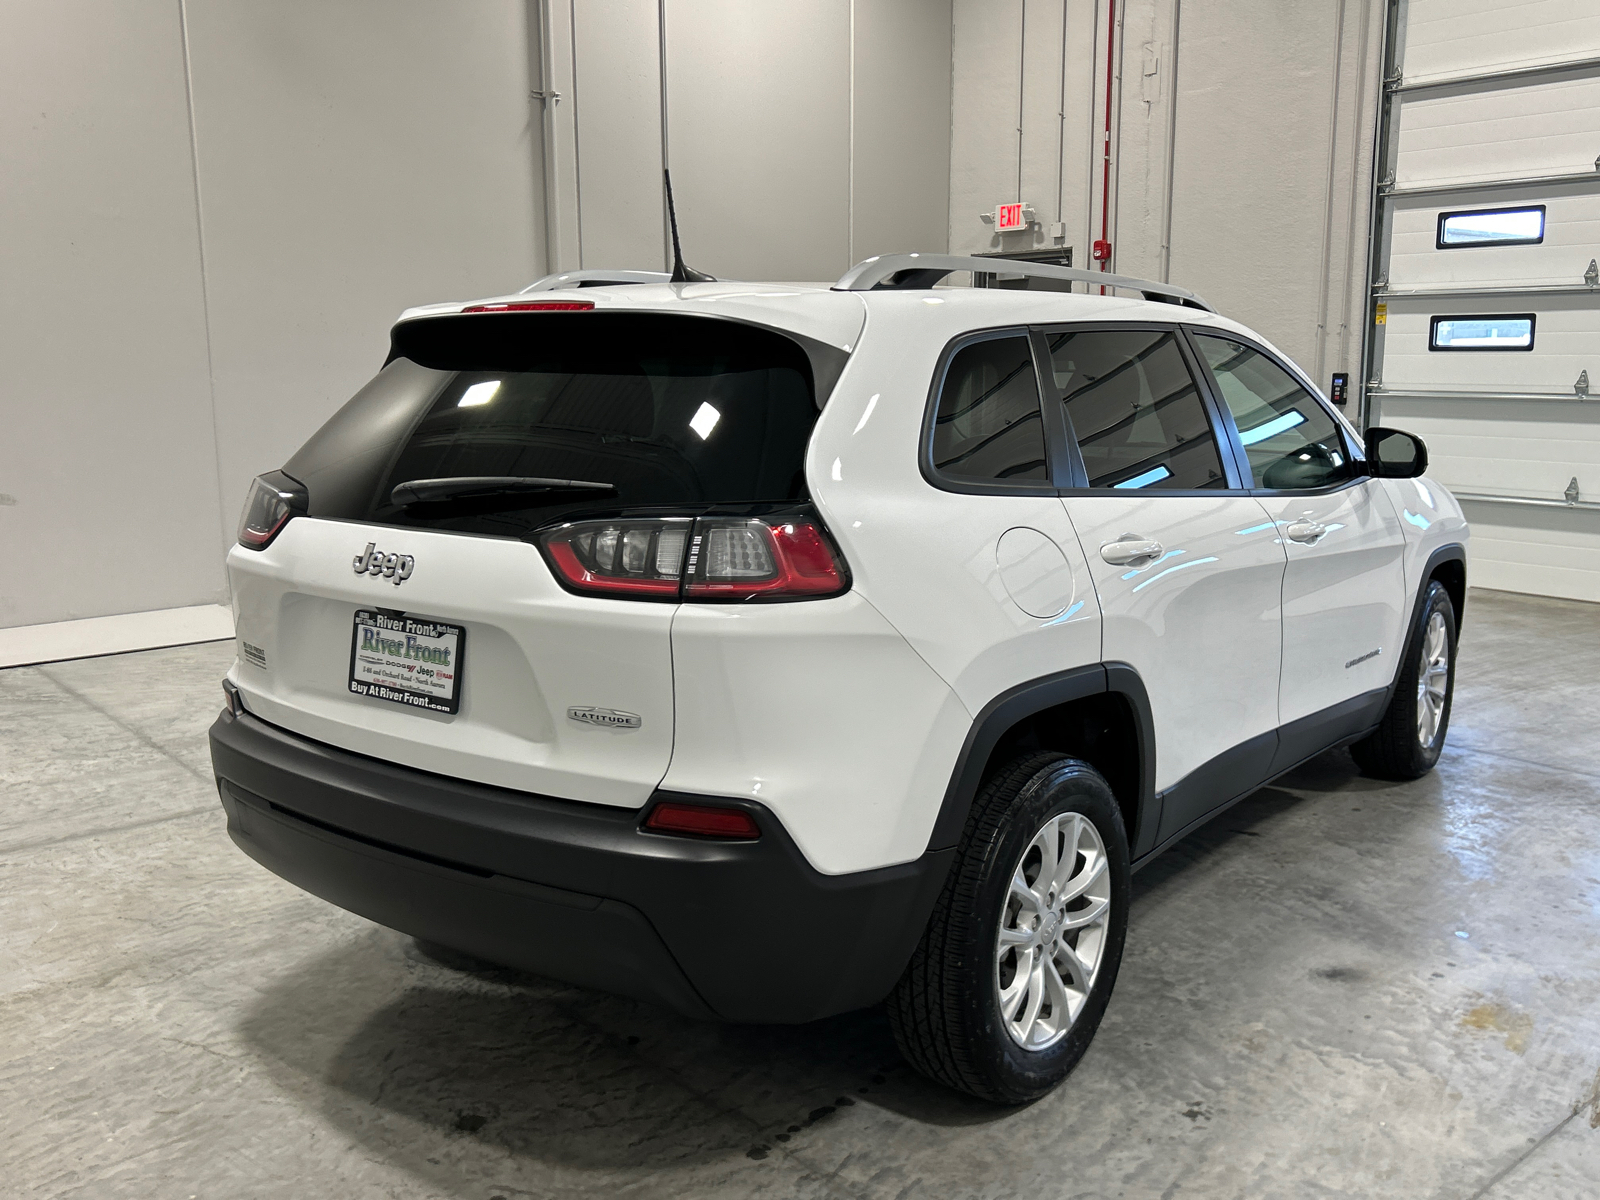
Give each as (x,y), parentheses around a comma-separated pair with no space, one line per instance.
(946,1012)
(1407,742)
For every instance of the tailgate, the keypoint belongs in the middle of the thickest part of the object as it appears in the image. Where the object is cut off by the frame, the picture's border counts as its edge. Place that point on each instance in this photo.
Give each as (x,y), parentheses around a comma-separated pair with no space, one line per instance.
(529,652)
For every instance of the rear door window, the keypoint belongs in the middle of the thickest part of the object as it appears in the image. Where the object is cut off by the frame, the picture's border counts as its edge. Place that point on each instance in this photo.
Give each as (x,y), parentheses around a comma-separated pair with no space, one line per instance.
(634,411)
(1135,409)
(1290,439)
(988,426)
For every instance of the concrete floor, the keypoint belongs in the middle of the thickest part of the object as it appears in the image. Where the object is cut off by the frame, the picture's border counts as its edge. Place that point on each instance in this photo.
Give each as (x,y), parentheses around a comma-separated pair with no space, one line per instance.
(1340,988)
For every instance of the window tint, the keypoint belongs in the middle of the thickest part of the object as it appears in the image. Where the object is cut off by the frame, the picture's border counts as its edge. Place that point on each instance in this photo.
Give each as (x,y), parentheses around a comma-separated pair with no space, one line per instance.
(661,410)
(1514,332)
(1289,438)
(1492,227)
(988,425)
(1135,409)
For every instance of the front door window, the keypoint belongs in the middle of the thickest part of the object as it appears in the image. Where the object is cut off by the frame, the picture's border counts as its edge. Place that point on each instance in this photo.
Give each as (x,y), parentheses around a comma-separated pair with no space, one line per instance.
(1291,441)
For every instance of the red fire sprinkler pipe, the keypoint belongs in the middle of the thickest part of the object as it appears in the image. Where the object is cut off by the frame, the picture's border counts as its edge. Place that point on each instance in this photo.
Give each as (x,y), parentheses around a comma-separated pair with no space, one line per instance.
(1102,248)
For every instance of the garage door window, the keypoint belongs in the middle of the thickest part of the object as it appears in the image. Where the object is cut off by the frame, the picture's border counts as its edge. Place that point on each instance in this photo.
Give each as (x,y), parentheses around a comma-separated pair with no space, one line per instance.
(1492,227)
(1510,332)
(1137,414)
(1291,441)
(988,426)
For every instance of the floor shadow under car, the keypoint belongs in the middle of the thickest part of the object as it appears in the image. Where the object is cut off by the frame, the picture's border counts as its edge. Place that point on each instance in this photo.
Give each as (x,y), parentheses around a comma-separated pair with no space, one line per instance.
(519,1065)
(388,1034)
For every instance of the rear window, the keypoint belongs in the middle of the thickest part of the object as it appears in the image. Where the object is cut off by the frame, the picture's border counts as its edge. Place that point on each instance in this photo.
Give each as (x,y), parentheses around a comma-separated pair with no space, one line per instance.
(625,412)
(988,426)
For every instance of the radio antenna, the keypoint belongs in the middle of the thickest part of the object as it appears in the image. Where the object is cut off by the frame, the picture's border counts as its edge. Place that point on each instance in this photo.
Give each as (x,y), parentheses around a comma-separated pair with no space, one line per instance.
(680,272)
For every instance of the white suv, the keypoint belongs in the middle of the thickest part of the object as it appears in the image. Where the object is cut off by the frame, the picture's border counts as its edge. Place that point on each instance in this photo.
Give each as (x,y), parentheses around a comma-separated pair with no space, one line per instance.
(770,651)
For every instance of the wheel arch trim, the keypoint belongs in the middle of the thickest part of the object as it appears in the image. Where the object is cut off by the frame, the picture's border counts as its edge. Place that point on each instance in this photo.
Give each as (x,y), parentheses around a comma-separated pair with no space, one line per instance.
(1015,705)
(1452,552)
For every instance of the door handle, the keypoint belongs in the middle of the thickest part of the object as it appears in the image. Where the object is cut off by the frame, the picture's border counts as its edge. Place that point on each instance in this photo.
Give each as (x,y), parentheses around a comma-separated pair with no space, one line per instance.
(1307,533)
(1129,550)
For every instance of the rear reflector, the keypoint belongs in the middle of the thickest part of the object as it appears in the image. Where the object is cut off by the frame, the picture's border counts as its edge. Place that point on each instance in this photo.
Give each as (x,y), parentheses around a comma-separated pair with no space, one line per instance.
(532,306)
(702,820)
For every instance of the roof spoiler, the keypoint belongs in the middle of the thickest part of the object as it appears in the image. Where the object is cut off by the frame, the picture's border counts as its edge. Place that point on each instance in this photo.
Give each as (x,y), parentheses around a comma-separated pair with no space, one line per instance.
(593,278)
(909,271)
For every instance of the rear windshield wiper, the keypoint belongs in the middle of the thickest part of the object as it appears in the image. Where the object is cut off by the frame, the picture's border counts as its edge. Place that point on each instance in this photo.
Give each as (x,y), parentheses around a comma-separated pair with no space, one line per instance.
(473,487)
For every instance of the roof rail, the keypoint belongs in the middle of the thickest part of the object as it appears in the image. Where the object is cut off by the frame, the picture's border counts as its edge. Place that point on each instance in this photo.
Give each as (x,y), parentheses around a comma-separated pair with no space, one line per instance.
(593,278)
(924,270)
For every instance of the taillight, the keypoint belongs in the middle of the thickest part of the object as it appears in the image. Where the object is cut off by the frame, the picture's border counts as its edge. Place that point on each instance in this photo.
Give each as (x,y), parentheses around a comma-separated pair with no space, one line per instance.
(709,558)
(702,820)
(620,558)
(532,306)
(744,560)
(273,499)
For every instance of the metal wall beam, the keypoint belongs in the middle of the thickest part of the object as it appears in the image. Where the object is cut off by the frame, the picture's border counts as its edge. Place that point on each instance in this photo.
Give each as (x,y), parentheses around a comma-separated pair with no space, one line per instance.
(1587,178)
(1510,76)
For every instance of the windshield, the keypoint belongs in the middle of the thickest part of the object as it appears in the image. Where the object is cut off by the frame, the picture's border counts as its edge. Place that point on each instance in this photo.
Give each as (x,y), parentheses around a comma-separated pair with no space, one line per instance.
(636,411)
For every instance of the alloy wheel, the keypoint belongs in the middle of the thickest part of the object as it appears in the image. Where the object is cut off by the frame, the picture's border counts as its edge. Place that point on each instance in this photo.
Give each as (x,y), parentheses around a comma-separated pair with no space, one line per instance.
(1433,680)
(1053,931)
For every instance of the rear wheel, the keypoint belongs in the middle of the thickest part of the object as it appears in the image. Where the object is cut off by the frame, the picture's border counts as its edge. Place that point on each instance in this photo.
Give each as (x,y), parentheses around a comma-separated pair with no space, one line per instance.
(1407,743)
(1012,976)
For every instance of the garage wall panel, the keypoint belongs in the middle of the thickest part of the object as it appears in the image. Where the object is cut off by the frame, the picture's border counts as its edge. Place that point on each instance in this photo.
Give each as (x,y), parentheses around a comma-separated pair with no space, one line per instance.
(1025,95)
(1504,133)
(1565,343)
(758,99)
(617,100)
(1460,37)
(1545,552)
(108,484)
(1249,209)
(1571,240)
(1516,448)
(1508,430)
(900,152)
(355,159)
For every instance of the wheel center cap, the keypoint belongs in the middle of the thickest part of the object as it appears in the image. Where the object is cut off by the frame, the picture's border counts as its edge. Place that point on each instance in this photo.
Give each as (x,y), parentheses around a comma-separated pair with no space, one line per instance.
(1048,929)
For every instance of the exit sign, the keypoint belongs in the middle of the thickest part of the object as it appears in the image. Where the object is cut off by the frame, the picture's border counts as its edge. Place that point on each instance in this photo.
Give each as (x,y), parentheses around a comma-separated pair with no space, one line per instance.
(1009,218)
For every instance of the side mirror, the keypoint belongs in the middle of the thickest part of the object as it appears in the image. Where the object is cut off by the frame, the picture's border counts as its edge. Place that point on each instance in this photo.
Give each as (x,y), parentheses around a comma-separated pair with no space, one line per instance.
(1392,454)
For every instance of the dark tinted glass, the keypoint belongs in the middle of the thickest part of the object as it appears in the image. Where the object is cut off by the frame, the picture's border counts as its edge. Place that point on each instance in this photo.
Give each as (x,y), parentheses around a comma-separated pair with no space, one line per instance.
(989,425)
(1290,439)
(1134,407)
(672,412)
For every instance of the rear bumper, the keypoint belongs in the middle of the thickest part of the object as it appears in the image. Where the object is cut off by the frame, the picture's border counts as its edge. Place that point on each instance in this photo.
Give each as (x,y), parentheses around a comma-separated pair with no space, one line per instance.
(741,931)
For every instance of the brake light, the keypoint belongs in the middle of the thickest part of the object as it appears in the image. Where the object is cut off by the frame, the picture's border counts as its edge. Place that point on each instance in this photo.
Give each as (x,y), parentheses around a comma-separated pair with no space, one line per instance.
(273,499)
(702,820)
(620,558)
(740,560)
(704,559)
(532,306)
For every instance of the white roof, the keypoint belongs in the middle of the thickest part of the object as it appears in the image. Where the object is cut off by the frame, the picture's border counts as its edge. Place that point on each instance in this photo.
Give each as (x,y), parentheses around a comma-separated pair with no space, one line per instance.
(836,318)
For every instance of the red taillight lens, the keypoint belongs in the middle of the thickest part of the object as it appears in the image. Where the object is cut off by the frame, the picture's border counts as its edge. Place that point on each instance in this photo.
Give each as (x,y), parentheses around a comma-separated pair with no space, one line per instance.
(744,560)
(273,499)
(702,820)
(712,558)
(620,558)
(532,306)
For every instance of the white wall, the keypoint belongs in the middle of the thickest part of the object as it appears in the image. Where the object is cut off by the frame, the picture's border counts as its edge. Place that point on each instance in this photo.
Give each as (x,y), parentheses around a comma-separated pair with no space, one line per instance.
(355,159)
(1243,125)
(183,304)
(107,459)
(803,135)
(213,210)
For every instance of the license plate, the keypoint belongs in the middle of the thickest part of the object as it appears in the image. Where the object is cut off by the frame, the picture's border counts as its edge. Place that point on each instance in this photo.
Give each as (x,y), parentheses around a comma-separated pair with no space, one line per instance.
(407,660)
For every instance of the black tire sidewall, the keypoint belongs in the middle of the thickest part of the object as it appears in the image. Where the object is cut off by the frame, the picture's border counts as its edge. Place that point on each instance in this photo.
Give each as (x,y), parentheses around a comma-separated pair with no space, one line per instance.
(1436,600)
(1066,785)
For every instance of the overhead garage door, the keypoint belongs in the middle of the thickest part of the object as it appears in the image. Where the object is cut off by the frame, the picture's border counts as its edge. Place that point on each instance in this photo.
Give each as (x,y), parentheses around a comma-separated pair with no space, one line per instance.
(1485,315)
